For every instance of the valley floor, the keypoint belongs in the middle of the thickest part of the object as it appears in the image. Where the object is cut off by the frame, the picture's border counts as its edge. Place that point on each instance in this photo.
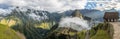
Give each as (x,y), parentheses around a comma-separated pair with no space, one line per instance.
(116,26)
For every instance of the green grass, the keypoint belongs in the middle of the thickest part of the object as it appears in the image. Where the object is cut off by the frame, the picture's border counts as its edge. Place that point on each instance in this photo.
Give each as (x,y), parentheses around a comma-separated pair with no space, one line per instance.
(101,34)
(102,31)
(7,33)
(44,25)
(82,34)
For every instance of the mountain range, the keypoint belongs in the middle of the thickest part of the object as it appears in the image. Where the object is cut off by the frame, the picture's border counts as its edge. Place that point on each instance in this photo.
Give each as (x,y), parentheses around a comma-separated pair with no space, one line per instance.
(36,24)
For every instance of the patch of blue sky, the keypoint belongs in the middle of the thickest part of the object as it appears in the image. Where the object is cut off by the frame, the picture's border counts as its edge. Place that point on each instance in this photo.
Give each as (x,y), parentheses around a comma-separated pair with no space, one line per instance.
(91,5)
(4,6)
(99,0)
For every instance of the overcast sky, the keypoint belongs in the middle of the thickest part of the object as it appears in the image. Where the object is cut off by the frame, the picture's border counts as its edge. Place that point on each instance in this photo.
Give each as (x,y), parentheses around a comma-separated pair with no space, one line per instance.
(60,5)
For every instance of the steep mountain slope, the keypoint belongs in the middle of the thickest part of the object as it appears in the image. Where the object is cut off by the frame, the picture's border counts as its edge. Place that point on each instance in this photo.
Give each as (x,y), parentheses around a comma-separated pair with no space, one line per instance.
(37,24)
(7,33)
(34,24)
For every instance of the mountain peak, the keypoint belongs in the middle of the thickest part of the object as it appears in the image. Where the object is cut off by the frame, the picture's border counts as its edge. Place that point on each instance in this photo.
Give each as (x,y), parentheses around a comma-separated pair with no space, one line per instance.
(77,13)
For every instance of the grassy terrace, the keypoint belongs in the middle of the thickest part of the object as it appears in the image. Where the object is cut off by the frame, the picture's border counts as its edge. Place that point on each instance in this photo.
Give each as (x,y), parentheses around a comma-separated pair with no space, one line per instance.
(7,33)
(102,31)
(101,34)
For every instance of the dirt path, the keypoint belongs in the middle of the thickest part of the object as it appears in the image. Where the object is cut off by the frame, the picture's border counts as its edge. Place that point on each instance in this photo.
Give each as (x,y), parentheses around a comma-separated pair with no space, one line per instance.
(116,26)
(20,35)
(87,35)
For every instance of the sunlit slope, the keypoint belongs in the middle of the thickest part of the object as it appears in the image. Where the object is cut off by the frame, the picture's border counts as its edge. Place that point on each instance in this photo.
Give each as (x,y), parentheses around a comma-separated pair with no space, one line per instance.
(9,22)
(44,25)
(7,33)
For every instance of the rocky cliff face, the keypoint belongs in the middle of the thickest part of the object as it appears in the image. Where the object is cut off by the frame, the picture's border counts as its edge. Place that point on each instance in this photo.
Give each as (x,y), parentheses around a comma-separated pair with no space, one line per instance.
(77,13)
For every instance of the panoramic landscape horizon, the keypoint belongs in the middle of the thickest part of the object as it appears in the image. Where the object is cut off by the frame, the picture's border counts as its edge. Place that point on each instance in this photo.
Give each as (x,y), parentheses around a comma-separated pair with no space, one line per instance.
(59,19)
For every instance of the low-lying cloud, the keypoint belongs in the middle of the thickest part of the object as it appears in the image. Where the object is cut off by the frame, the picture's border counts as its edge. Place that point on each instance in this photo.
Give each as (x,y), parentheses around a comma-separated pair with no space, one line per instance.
(74,23)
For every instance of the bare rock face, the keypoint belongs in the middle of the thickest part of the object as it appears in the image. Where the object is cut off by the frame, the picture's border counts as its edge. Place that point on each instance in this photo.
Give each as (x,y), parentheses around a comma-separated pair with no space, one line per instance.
(77,13)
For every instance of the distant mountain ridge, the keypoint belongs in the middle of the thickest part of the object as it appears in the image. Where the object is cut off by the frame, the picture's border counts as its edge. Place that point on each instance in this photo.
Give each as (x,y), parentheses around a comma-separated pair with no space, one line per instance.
(41,15)
(93,14)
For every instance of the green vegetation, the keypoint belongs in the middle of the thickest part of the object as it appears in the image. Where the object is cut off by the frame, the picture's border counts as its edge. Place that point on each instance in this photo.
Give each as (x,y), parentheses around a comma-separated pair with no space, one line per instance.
(33,29)
(21,21)
(7,33)
(101,34)
(102,31)
(8,22)
(82,34)
(30,31)
(44,25)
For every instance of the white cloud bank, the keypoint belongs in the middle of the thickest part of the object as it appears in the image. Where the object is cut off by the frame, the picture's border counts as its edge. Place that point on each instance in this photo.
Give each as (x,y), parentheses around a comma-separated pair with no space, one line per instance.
(74,23)
(59,5)
(50,5)
(107,5)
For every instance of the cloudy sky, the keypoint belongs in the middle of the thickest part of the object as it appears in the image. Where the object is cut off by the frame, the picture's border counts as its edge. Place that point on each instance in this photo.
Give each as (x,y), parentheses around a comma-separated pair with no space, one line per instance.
(60,5)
